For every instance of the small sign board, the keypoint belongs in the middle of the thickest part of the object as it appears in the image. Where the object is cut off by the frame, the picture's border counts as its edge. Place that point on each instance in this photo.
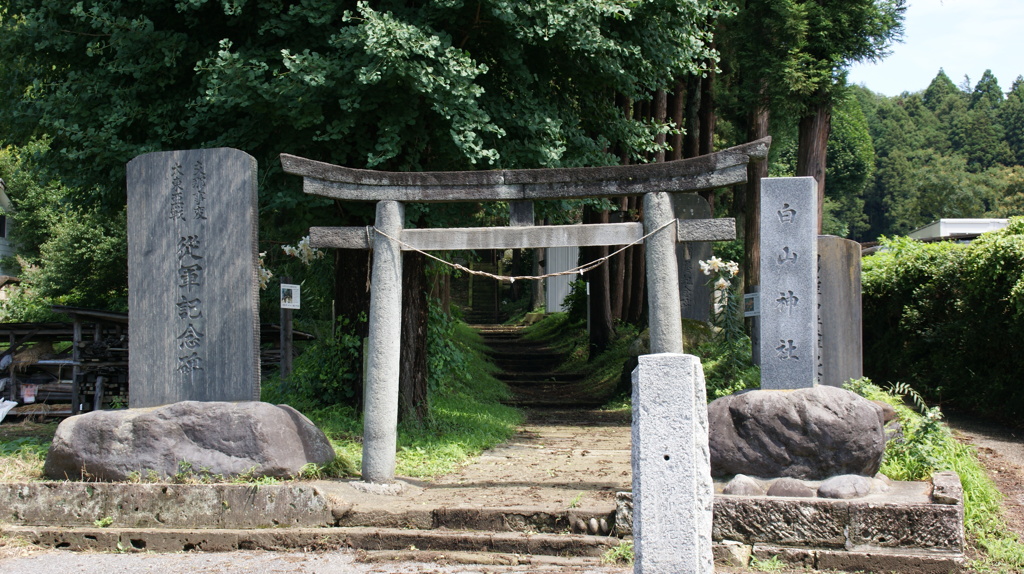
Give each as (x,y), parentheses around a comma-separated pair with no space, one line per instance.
(290,296)
(751,304)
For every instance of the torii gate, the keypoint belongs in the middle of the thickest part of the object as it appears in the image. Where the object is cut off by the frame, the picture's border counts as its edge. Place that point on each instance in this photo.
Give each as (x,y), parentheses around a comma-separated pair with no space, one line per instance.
(387,238)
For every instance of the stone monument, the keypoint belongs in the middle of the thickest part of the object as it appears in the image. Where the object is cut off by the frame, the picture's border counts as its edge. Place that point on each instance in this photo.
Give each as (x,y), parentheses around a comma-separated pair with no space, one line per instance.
(192,277)
(694,294)
(788,291)
(672,489)
(840,341)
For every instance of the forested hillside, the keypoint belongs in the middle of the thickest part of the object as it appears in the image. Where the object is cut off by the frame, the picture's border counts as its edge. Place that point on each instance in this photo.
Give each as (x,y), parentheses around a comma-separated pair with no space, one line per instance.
(946,151)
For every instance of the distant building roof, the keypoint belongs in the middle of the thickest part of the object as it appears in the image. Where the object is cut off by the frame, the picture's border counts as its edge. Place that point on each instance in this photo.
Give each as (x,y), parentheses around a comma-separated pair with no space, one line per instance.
(957,228)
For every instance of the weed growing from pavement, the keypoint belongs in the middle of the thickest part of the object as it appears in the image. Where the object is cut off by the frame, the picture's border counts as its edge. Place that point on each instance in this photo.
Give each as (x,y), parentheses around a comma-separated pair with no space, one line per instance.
(621,554)
(773,564)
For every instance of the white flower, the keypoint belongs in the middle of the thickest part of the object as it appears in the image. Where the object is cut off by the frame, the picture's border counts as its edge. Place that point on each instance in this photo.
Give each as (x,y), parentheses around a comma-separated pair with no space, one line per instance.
(733,268)
(722,284)
(711,265)
(264,273)
(303,251)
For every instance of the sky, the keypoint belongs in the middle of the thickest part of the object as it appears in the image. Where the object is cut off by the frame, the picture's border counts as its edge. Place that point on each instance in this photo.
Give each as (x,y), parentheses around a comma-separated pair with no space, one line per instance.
(959,36)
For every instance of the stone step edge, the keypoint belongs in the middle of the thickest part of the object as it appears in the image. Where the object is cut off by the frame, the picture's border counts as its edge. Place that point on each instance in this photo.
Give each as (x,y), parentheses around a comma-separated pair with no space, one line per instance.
(890,560)
(464,547)
(282,539)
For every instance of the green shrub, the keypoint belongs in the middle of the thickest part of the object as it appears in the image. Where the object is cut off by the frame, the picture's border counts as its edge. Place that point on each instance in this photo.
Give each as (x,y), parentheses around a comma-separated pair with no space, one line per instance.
(948,318)
(327,372)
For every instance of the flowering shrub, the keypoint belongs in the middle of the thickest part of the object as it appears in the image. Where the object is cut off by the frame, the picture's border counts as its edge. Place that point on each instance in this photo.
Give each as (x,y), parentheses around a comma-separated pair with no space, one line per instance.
(727,362)
(726,315)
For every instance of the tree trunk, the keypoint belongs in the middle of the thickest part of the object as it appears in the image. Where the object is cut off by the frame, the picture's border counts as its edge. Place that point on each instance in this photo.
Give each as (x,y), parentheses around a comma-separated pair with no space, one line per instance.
(659,110)
(752,202)
(352,299)
(412,381)
(811,153)
(706,136)
(635,315)
(676,107)
(691,140)
(617,269)
(627,265)
(601,325)
(707,113)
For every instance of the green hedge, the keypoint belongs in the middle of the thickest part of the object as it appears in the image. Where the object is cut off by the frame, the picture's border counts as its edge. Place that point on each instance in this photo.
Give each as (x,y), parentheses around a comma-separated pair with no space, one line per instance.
(949,319)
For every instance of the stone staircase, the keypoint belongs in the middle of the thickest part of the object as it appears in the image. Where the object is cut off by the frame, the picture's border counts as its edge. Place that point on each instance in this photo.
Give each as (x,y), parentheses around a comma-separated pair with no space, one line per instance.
(529,369)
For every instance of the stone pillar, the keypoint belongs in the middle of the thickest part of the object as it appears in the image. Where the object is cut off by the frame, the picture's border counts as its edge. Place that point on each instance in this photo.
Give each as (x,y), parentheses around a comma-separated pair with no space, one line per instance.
(673,493)
(662,275)
(380,410)
(840,341)
(694,293)
(789,289)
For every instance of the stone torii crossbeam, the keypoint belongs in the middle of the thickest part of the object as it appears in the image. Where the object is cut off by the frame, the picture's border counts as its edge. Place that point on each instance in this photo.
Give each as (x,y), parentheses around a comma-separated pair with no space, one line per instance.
(387,238)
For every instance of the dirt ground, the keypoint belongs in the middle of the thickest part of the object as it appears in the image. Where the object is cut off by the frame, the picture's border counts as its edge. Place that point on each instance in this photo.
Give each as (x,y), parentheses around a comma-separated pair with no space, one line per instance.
(1001,452)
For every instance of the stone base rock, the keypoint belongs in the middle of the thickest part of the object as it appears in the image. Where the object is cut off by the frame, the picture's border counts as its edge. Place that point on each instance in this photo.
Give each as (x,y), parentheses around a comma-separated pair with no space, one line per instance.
(252,438)
(812,433)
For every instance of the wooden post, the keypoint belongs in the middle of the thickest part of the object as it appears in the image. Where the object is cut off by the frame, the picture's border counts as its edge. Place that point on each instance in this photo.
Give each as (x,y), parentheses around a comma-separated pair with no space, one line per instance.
(76,369)
(380,411)
(662,275)
(286,340)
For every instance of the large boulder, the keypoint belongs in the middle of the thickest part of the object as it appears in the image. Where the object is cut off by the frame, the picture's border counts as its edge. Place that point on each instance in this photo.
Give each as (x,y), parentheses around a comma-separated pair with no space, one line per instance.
(252,438)
(812,434)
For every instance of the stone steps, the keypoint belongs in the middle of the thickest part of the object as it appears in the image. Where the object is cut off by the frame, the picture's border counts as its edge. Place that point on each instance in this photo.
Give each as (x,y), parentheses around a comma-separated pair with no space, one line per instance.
(112,539)
(529,369)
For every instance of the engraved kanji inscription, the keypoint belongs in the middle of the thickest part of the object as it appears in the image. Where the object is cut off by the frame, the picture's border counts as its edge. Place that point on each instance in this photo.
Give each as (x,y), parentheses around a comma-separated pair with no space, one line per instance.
(189,246)
(190,276)
(199,190)
(788,256)
(188,364)
(786,350)
(189,308)
(787,214)
(786,301)
(177,210)
(191,338)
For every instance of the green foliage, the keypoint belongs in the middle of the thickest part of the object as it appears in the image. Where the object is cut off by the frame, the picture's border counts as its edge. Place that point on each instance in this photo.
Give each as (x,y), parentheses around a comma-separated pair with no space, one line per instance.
(328,371)
(401,85)
(24,445)
(850,164)
(773,564)
(925,446)
(947,318)
(726,354)
(67,254)
(465,417)
(576,301)
(945,152)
